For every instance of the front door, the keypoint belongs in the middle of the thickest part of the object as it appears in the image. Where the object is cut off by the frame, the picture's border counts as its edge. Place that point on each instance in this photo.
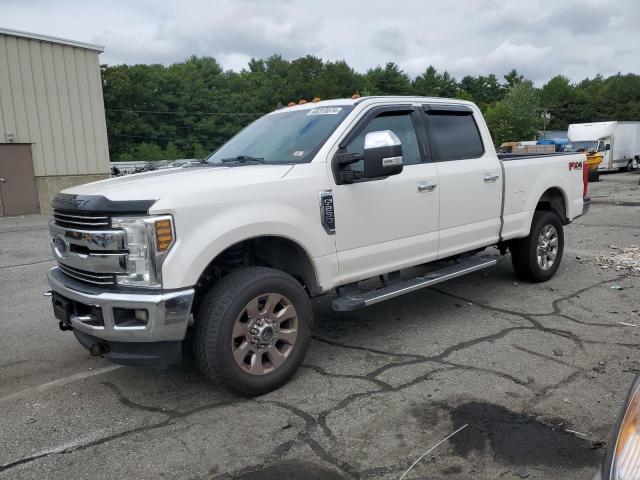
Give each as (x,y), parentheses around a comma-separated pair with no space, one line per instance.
(606,155)
(391,223)
(18,194)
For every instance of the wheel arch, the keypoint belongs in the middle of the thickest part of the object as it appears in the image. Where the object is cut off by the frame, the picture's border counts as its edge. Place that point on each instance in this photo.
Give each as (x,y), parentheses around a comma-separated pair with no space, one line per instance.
(273,251)
(554,199)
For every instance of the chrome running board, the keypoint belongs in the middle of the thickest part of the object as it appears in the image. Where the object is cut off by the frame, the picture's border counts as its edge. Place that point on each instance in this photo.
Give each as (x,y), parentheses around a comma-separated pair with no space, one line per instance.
(356,300)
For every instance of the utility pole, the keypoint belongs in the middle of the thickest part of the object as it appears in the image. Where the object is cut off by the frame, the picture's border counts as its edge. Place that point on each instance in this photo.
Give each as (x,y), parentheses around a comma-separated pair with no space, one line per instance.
(545,116)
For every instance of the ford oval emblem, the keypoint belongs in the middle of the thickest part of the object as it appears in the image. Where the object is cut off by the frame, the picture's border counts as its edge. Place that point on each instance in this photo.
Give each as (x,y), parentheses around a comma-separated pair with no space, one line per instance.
(61,246)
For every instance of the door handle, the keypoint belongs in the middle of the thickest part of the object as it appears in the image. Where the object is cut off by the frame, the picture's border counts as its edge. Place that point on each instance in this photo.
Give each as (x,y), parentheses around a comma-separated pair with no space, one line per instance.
(427,186)
(491,178)
(3,180)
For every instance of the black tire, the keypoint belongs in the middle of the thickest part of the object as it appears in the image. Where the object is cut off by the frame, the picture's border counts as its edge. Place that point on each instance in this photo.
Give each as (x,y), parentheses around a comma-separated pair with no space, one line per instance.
(594,176)
(628,167)
(217,315)
(524,251)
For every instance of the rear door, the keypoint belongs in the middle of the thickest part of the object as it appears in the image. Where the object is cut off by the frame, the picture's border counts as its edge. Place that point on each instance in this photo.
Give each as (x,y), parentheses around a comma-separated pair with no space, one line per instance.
(469,176)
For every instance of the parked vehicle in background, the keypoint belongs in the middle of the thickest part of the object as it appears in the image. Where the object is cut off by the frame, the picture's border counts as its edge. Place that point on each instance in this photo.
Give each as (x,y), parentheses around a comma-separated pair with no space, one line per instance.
(222,257)
(559,144)
(622,459)
(618,142)
(526,147)
(181,163)
(530,148)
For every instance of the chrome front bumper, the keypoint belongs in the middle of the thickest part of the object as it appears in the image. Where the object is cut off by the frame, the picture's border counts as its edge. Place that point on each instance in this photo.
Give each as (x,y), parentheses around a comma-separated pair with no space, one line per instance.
(168,311)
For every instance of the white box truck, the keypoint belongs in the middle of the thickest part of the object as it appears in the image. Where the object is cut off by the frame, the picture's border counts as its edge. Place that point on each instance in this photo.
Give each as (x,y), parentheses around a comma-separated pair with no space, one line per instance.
(619,143)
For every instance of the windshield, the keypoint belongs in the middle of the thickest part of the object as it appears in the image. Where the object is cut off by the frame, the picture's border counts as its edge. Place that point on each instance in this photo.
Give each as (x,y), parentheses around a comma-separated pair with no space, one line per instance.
(283,137)
(589,146)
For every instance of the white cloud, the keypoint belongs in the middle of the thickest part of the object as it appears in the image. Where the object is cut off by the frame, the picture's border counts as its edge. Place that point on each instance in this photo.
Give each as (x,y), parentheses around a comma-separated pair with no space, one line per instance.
(577,38)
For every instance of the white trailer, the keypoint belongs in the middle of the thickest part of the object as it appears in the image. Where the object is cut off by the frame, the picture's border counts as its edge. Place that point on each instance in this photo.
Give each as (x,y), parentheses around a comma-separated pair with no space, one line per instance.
(619,142)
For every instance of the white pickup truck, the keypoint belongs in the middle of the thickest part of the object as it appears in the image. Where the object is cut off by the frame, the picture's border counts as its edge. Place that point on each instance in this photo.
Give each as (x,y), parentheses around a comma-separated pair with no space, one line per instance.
(220,259)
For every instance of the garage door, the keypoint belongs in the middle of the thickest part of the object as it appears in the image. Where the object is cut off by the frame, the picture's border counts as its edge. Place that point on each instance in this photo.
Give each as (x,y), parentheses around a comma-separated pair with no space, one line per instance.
(18,195)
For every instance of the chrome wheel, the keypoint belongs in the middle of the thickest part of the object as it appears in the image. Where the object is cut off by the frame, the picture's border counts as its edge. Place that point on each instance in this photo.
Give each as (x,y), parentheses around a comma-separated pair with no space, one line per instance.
(264,333)
(547,249)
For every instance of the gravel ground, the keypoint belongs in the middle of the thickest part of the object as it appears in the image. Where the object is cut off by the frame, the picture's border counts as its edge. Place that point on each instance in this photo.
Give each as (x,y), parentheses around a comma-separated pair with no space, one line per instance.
(536,372)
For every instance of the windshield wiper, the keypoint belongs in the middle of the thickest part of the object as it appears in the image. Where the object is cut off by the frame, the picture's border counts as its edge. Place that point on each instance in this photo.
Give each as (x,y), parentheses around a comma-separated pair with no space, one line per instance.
(242,159)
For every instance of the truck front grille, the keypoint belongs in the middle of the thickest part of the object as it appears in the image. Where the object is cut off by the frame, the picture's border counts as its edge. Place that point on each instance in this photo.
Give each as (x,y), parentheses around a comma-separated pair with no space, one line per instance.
(71,219)
(89,277)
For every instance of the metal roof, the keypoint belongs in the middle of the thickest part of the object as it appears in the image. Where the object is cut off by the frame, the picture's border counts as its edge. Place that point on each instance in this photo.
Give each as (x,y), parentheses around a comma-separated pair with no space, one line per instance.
(50,39)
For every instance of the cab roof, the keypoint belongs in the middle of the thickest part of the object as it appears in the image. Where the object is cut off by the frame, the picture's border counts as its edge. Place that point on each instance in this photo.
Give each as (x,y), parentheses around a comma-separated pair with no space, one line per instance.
(341,102)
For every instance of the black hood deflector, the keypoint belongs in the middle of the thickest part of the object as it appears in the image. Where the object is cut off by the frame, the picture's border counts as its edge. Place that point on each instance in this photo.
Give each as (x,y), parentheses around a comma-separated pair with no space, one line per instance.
(100,204)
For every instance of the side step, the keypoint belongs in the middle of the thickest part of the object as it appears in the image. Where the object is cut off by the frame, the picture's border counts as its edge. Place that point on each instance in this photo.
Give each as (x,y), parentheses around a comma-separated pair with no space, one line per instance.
(356,300)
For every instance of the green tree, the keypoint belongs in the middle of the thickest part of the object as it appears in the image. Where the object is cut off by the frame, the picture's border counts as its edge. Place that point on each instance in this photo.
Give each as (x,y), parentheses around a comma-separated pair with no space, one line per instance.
(517,117)
(513,78)
(198,151)
(462,94)
(189,108)
(558,97)
(484,90)
(434,84)
(390,80)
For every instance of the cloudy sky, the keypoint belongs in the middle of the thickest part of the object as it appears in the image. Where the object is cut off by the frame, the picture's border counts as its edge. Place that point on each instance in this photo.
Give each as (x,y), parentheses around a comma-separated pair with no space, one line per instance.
(577,38)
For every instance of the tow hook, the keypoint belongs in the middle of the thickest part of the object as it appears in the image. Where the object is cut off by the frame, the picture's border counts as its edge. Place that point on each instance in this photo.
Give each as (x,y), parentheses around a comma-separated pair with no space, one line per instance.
(65,327)
(98,349)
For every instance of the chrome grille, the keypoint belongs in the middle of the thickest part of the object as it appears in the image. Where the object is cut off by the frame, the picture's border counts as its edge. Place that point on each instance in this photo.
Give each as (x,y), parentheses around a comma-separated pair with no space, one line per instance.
(80,220)
(89,277)
(86,247)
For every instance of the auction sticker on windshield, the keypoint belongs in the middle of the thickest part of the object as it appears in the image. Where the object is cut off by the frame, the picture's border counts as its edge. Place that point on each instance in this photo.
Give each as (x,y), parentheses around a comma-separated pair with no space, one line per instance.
(324,111)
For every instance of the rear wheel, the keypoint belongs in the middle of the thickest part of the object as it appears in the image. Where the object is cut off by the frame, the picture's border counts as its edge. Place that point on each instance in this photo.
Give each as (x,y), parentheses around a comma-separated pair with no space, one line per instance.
(536,258)
(252,330)
(627,167)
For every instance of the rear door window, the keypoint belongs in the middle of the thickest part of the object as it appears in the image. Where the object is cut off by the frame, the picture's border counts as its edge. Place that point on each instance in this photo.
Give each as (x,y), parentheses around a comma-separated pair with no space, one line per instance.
(453,135)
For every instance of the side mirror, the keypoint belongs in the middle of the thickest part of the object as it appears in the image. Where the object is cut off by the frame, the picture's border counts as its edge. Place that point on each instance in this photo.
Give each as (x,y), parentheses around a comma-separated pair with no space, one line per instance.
(382,154)
(607,146)
(382,157)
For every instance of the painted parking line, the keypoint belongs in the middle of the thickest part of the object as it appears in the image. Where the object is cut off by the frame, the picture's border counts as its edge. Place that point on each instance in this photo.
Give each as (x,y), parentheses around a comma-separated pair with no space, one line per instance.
(58,383)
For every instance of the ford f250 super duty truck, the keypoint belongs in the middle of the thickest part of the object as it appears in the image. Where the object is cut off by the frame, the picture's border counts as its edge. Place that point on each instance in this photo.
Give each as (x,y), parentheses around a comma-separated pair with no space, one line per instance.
(221,258)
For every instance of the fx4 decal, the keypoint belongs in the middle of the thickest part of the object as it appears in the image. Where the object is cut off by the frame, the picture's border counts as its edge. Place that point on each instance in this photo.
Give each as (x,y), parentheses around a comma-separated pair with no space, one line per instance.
(575,166)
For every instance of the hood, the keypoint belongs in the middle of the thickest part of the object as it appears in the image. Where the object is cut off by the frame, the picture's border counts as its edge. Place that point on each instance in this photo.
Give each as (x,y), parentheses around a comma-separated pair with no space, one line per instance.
(161,183)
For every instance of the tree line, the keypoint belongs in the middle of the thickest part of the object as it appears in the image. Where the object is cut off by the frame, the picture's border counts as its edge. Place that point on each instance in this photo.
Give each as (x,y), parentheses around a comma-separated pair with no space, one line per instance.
(188,109)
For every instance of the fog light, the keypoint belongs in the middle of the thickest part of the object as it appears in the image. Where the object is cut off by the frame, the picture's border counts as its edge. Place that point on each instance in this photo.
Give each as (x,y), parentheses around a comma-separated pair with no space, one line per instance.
(141,316)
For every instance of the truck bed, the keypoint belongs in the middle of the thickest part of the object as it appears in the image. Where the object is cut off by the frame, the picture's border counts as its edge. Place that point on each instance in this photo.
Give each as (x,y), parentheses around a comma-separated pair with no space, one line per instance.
(527,177)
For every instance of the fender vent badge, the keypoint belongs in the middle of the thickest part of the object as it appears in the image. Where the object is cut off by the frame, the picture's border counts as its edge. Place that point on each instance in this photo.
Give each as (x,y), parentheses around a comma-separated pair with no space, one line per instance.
(327,215)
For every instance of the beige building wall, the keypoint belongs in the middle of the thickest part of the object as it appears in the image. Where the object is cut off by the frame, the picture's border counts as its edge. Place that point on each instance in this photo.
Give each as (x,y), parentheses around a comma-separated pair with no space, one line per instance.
(51,97)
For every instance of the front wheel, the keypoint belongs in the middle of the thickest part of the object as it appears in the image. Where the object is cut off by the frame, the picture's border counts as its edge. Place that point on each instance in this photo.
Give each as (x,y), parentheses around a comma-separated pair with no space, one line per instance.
(252,330)
(536,258)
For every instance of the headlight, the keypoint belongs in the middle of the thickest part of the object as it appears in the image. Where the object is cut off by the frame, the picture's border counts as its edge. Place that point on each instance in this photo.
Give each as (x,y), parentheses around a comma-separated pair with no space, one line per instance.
(148,239)
(625,463)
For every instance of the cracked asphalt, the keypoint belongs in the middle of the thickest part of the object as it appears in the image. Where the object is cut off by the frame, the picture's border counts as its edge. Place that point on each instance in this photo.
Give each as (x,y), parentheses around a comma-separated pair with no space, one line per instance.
(537,372)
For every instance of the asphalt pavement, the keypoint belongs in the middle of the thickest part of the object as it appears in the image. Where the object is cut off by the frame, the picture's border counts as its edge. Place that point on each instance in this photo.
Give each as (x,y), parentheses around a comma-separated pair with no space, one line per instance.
(535,373)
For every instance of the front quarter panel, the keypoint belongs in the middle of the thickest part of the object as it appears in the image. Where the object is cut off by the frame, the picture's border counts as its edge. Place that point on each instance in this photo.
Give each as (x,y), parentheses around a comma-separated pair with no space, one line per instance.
(209,222)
